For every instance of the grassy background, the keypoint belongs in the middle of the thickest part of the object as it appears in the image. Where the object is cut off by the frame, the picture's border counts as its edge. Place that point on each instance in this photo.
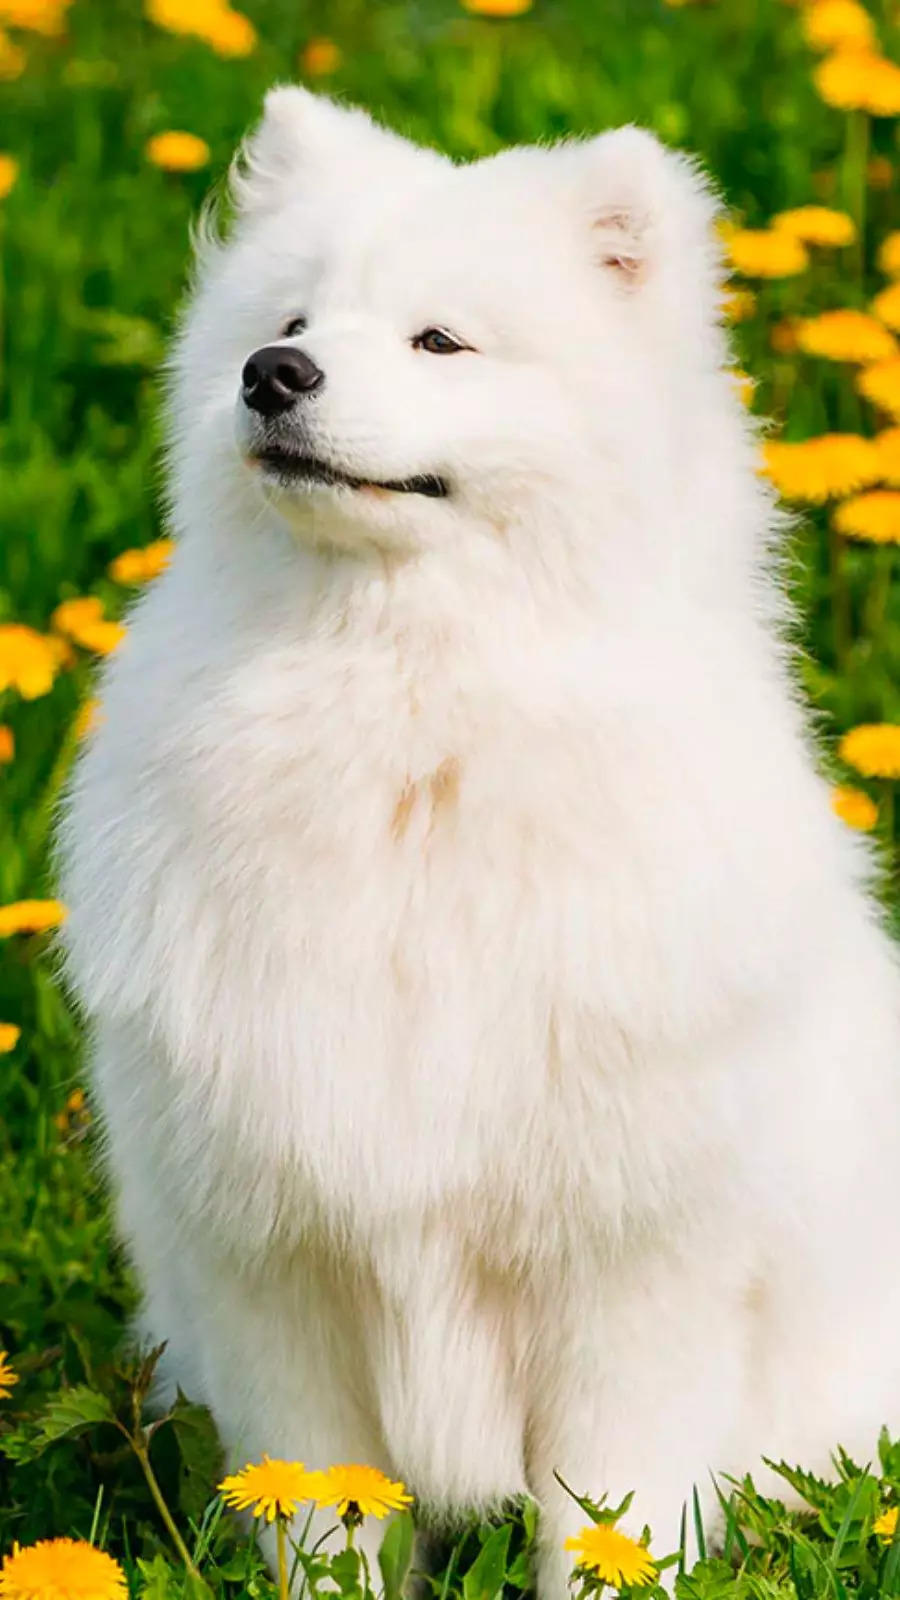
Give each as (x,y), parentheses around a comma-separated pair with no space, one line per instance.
(94,258)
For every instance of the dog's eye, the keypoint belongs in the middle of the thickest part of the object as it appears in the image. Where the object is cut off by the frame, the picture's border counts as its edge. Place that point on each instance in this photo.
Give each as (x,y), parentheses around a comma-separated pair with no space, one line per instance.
(295,326)
(439,342)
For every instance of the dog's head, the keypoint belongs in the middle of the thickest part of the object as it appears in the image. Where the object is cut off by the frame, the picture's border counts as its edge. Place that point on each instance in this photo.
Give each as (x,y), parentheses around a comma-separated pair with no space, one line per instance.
(391,346)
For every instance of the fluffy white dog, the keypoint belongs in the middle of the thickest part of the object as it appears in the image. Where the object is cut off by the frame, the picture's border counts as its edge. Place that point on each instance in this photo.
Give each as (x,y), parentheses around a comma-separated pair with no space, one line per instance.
(498,1047)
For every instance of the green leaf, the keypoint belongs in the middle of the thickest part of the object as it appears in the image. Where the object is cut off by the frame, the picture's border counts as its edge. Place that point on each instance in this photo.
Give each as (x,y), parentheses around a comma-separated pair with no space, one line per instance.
(395,1555)
(20,1444)
(158,1579)
(73,1412)
(200,1452)
(888,1455)
(699,1532)
(860,1509)
(682,1538)
(315,1567)
(122,340)
(847,1467)
(732,1529)
(485,1578)
(196,1588)
(708,1580)
(815,1491)
(520,1573)
(146,1371)
(346,1570)
(890,1572)
(597,1510)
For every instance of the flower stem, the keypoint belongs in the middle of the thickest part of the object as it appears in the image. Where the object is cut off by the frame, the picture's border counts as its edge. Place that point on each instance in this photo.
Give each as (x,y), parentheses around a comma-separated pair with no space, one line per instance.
(879,592)
(143,1456)
(856,156)
(840,597)
(281,1539)
(38,827)
(887,813)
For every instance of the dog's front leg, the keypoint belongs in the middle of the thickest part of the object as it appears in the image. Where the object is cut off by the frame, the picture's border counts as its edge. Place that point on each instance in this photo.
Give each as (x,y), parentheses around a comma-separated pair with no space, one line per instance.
(639,1384)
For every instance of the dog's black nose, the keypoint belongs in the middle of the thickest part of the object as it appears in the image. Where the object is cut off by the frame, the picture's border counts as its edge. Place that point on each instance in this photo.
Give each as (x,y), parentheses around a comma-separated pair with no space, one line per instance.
(276,376)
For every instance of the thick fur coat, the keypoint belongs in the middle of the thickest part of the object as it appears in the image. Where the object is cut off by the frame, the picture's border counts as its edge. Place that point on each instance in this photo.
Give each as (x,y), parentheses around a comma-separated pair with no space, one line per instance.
(497,1044)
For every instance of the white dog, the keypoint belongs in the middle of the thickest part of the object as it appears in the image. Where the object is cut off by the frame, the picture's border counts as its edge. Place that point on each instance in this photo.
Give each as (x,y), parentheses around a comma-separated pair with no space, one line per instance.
(499,1050)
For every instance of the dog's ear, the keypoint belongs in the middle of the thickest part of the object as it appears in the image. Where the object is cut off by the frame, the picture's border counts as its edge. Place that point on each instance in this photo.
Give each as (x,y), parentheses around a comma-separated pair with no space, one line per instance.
(307,139)
(649,214)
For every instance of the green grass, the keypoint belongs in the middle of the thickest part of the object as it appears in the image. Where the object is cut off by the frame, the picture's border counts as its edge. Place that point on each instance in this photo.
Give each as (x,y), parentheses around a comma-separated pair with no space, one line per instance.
(94,262)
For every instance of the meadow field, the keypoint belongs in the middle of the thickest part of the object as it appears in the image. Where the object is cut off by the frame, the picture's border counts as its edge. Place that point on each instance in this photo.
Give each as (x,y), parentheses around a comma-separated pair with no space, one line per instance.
(116,119)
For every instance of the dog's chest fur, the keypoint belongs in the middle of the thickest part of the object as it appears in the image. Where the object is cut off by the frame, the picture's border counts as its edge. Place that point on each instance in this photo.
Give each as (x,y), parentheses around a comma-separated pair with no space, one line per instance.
(392,912)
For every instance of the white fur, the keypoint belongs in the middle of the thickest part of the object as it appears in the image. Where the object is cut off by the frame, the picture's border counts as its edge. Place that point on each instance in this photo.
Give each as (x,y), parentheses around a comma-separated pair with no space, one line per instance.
(498,1048)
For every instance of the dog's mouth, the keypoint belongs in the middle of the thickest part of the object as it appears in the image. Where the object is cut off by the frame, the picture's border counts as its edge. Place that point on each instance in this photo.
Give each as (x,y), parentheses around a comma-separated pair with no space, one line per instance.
(289,467)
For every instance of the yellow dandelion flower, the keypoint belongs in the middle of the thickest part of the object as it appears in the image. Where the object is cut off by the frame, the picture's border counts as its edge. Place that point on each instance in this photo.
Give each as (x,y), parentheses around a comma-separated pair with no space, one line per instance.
(361,1490)
(61,1569)
(101,637)
(879,173)
(824,468)
(873,749)
(886,306)
(829,24)
(742,384)
(38,16)
(9,171)
(30,916)
(29,661)
(497,8)
(616,1559)
(885,1524)
(880,383)
(888,257)
(884,88)
(142,565)
(843,81)
(176,151)
(319,58)
(817,225)
(230,33)
(71,615)
(9,1038)
(75,1101)
(854,807)
(12,59)
(857,80)
(845,336)
(874,517)
(182,16)
(271,1488)
(766,253)
(87,719)
(887,447)
(7,743)
(8,1378)
(82,620)
(738,305)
